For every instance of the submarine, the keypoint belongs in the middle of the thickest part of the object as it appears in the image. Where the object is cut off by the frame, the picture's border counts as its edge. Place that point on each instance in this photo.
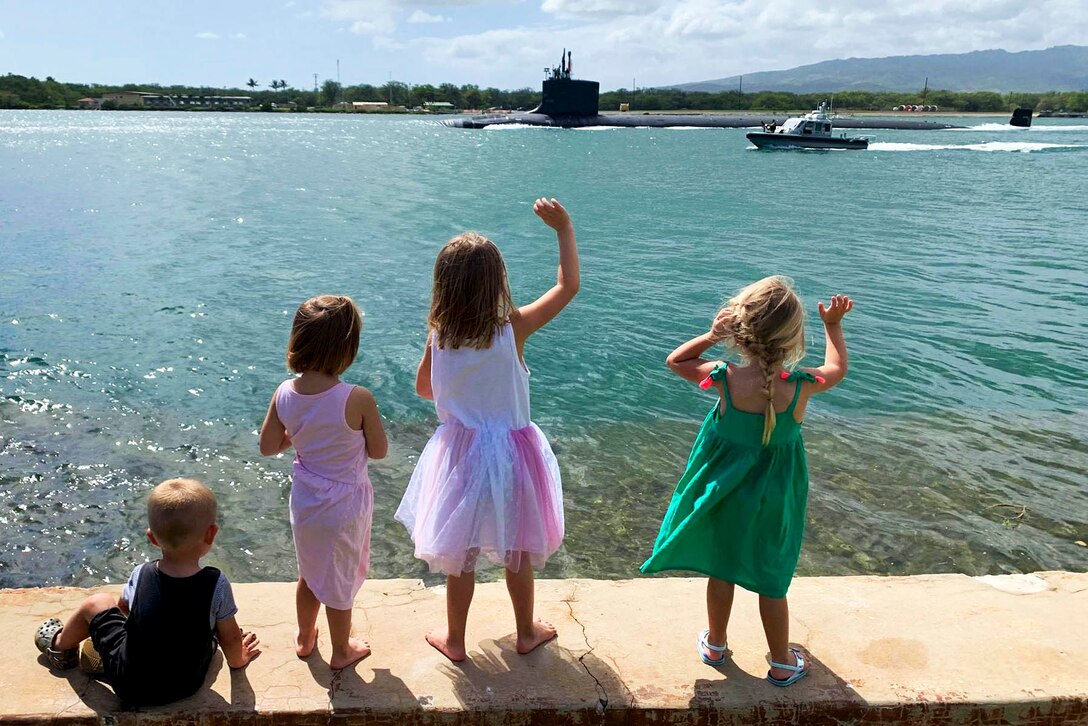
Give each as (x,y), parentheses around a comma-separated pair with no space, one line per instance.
(1021,117)
(570,103)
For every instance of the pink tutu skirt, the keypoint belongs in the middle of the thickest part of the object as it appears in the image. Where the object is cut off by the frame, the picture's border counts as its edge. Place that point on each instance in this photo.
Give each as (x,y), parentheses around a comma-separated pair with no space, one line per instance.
(490,492)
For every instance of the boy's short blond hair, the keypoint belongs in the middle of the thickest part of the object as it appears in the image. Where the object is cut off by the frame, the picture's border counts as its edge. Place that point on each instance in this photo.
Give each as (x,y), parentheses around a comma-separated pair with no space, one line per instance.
(179,511)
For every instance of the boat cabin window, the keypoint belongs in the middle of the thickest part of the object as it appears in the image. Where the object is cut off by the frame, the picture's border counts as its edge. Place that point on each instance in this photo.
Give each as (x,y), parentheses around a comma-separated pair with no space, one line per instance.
(807,128)
(827,128)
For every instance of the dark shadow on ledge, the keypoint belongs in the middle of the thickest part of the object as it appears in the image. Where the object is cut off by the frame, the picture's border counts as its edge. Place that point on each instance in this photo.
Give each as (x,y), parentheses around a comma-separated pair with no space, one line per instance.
(555,684)
(818,698)
(100,698)
(384,700)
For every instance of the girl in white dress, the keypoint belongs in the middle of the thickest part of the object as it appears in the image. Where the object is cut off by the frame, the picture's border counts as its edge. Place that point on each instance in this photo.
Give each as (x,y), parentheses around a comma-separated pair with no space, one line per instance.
(486,489)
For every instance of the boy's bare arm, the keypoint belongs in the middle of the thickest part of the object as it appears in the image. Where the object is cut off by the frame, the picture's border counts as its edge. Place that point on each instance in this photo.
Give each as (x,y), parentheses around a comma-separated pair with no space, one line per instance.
(238,648)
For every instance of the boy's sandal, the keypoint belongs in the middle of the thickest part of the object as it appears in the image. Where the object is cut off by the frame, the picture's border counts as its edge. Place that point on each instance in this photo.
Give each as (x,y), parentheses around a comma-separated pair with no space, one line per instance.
(62,660)
(703,642)
(799,670)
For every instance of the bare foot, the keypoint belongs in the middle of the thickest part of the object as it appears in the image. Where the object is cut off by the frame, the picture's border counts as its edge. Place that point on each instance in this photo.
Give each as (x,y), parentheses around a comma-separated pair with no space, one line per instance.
(356,651)
(542,633)
(304,651)
(439,638)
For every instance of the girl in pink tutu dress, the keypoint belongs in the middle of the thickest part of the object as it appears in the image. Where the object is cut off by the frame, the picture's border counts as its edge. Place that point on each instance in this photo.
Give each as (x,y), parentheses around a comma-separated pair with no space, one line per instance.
(334,428)
(486,488)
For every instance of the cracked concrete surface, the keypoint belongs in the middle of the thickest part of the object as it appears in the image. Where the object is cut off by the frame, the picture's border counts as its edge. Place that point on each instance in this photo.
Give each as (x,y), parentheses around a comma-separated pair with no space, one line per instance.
(935,649)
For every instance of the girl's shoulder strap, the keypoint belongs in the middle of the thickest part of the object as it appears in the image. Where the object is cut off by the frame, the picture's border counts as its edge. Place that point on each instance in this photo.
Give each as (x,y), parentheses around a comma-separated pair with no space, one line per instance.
(800,377)
(716,375)
(283,389)
(283,396)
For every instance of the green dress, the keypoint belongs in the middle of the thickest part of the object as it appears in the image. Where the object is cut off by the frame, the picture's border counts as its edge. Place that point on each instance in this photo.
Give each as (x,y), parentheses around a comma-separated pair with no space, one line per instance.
(738,513)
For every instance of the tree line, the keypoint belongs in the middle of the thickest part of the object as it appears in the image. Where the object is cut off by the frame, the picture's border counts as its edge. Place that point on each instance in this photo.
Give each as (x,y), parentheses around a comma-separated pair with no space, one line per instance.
(23,92)
(665,99)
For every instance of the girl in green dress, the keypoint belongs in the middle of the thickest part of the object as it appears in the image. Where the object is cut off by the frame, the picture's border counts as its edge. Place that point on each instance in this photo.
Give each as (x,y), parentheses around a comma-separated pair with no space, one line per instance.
(738,513)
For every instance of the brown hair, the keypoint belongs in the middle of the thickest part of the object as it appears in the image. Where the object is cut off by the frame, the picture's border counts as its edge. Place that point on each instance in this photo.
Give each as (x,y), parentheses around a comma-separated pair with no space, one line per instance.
(471,296)
(324,335)
(766,323)
(179,511)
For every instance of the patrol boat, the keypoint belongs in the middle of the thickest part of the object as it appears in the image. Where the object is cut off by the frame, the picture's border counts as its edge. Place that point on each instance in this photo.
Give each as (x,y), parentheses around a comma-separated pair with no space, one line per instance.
(811,131)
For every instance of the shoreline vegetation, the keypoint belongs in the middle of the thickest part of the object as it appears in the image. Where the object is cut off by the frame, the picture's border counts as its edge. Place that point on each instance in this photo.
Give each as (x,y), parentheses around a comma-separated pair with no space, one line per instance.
(21,92)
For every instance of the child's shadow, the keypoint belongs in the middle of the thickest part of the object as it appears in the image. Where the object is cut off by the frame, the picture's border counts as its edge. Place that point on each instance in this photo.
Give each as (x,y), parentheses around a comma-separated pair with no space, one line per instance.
(386,696)
(100,698)
(552,681)
(738,690)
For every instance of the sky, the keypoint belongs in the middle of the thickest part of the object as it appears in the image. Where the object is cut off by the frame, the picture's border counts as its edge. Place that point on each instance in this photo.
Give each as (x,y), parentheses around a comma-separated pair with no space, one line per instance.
(501,43)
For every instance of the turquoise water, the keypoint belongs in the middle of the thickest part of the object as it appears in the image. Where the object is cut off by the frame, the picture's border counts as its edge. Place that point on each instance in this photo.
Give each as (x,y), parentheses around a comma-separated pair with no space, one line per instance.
(151,263)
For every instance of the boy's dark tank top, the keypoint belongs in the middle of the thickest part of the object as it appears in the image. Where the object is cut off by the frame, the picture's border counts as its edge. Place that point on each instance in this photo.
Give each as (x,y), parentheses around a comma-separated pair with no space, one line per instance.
(170,638)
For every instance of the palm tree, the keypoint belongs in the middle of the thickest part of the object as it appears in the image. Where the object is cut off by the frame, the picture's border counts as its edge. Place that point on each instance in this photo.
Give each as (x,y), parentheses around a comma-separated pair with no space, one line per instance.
(274,85)
(252,83)
(283,85)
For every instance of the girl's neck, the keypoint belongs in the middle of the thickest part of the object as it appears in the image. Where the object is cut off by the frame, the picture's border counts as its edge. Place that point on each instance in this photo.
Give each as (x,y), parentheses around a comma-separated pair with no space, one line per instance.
(310,382)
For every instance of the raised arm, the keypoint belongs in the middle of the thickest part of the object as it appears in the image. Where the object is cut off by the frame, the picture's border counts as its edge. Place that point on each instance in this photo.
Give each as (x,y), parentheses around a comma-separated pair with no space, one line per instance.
(532,317)
(274,438)
(687,361)
(835,361)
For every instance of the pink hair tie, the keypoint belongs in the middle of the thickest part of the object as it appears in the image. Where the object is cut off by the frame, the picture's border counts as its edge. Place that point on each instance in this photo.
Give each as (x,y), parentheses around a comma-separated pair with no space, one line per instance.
(784,375)
(706,383)
(821,379)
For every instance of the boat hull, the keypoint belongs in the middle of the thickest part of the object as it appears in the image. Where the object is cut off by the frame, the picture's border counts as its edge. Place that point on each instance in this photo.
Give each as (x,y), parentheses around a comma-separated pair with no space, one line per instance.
(764,140)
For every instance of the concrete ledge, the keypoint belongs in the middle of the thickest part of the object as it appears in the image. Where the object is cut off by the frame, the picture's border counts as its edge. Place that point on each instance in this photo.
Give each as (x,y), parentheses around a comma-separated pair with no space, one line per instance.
(940,649)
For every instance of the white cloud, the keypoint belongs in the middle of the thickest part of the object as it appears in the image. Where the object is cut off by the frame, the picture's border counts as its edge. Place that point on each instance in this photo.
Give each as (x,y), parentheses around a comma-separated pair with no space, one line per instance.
(378,24)
(381,17)
(673,41)
(208,35)
(364,17)
(599,9)
(422,16)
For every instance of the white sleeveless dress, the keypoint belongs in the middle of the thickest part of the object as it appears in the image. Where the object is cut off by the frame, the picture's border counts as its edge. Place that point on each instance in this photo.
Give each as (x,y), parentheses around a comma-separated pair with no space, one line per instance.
(487,483)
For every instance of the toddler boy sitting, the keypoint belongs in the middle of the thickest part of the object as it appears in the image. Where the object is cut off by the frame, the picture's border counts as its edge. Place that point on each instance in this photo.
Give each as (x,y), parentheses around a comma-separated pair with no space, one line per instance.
(156,642)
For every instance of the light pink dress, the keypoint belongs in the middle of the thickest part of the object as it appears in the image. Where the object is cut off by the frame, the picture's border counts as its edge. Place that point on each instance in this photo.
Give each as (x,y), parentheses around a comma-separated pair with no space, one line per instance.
(487,482)
(332,502)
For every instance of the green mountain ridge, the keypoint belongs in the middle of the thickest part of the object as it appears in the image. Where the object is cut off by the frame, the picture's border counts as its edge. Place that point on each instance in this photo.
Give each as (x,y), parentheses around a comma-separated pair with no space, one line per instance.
(1061,68)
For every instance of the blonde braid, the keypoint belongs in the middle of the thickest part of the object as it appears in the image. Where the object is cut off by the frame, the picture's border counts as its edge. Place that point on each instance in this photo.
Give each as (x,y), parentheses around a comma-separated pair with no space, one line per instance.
(767,360)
